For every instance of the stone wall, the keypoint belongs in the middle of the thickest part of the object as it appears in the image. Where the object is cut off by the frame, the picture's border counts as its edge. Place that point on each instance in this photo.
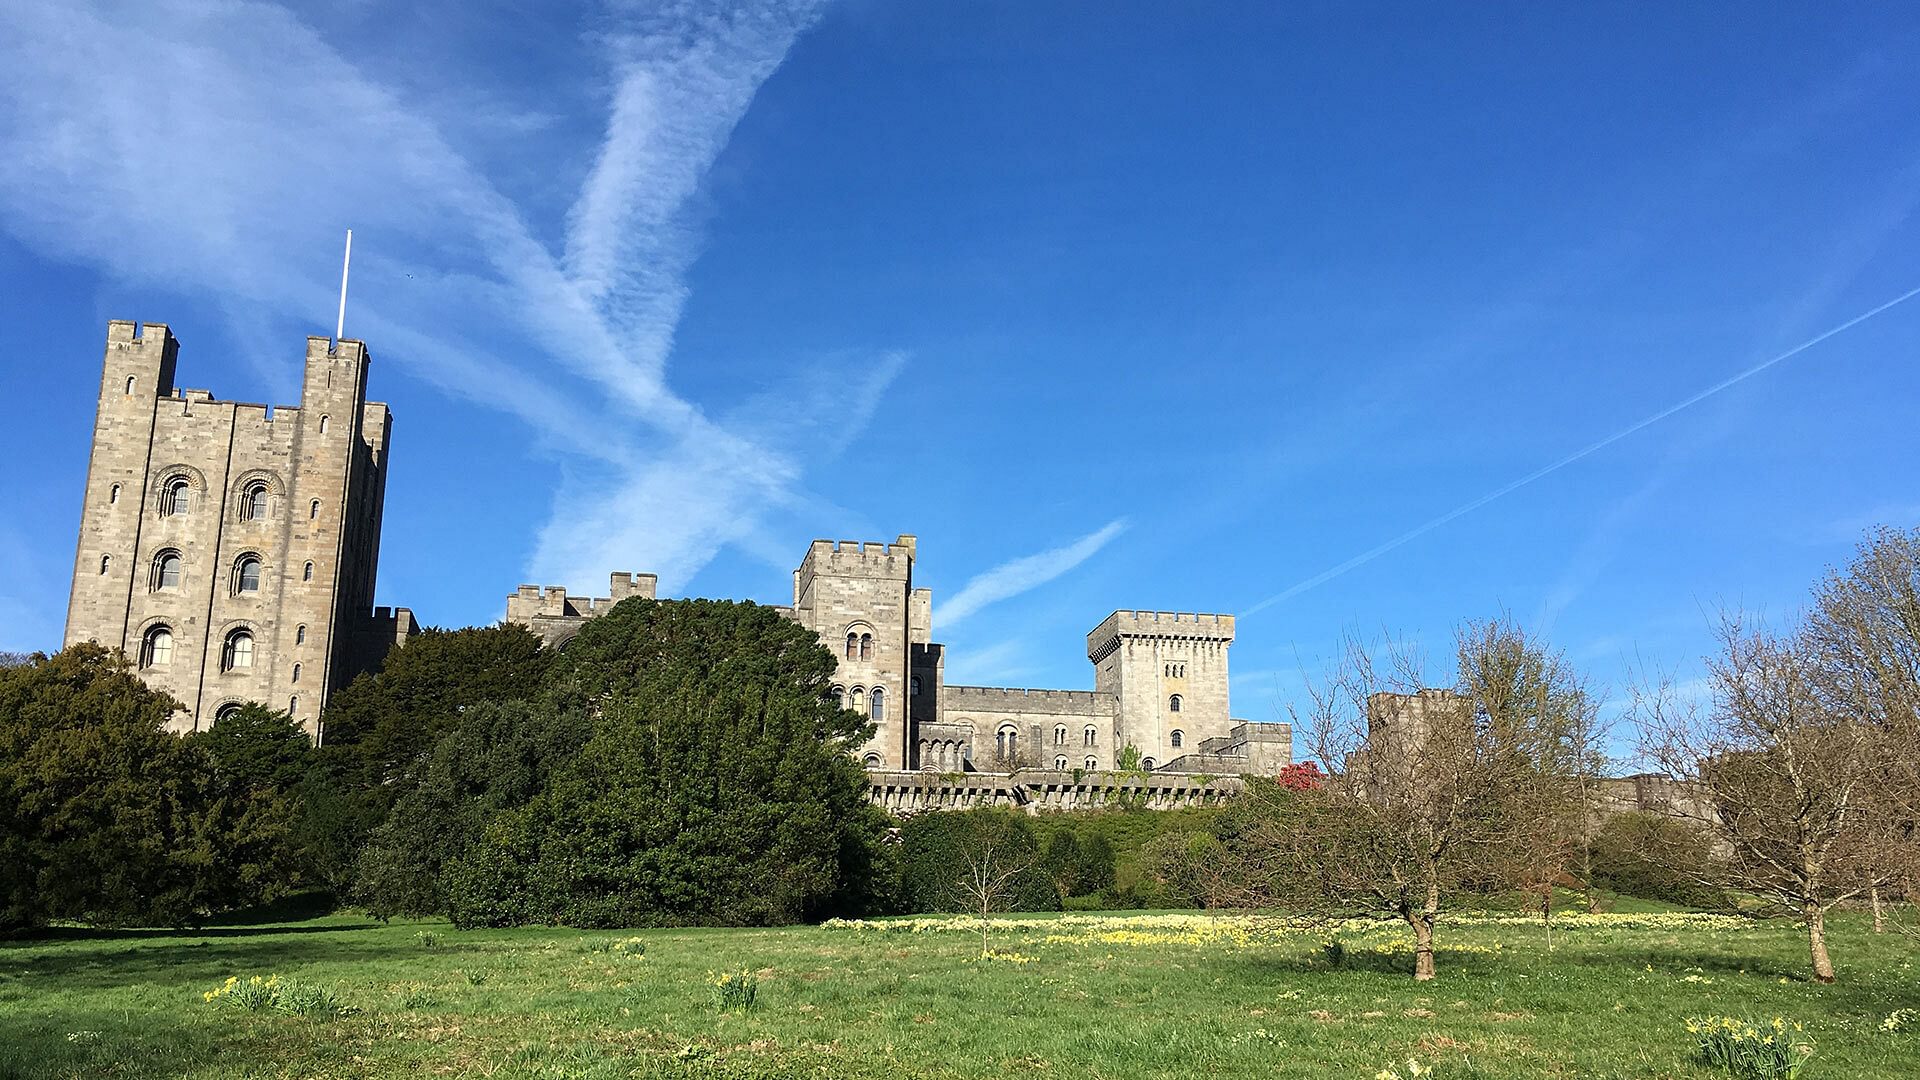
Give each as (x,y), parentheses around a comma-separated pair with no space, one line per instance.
(1046,725)
(1037,791)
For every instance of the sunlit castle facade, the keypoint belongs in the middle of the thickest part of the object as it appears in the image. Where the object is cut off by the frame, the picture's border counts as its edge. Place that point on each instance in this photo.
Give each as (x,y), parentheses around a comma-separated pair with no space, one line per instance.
(229,548)
(1160,679)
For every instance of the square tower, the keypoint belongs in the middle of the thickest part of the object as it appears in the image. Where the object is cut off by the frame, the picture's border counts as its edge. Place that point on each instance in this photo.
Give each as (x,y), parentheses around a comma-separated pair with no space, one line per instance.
(1167,673)
(230,548)
(860,599)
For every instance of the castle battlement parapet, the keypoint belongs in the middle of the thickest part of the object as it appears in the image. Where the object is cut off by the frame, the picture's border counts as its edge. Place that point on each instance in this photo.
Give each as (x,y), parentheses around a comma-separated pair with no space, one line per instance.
(1007,699)
(547,610)
(1166,625)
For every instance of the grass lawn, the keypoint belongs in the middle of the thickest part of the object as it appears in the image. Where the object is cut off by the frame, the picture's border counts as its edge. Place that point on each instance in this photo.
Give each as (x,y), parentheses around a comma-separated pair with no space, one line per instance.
(1081,995)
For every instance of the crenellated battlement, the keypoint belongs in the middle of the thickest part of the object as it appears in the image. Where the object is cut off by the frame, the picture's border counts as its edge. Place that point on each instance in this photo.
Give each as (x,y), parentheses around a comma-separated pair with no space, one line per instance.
(1168,625)
(132,331)
(991,699)
(860,558)
(547,610)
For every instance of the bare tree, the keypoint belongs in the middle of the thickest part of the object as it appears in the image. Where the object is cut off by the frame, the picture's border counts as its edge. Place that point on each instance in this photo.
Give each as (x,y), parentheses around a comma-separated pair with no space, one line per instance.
(1864,637)
(1430,792)
(1790,786)
(996,855)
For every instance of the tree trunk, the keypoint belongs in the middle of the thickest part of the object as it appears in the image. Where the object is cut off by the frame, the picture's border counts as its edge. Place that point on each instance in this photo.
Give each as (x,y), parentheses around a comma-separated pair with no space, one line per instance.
(1879,910)
(1422,945)
(1817,942)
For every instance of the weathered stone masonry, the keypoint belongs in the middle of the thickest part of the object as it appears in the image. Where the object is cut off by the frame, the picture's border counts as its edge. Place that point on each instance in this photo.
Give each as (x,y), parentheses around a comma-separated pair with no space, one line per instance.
(230,548)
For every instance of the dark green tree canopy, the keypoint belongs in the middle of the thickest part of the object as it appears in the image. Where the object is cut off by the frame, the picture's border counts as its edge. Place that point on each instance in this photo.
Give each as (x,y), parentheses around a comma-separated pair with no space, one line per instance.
(685,764)
(107,818)
(388,721)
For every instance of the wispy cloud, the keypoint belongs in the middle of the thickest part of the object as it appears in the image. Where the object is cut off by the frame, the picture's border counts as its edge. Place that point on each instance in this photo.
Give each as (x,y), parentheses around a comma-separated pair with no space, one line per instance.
(1001,663)
(158,143)
(1016,576)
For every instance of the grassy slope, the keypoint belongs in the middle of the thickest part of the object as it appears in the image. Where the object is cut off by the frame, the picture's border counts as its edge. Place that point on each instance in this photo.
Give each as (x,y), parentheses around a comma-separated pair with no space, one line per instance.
(527,1003)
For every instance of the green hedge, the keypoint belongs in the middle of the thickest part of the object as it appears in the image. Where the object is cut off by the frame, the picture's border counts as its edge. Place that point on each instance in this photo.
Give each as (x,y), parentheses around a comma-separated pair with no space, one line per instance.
(934,860)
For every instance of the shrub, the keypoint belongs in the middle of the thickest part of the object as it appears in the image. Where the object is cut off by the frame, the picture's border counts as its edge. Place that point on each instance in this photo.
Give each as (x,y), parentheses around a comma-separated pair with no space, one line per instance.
(1750,1051)
(1621,862)
(933,862)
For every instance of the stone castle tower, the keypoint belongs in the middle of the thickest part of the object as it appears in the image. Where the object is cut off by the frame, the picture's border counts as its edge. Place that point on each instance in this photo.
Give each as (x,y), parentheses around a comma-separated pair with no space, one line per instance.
(860,599)
(230,548)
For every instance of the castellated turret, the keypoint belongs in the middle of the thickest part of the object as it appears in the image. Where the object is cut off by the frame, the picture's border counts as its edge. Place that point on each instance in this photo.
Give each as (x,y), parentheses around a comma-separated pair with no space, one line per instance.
(1167,673)
(231,548)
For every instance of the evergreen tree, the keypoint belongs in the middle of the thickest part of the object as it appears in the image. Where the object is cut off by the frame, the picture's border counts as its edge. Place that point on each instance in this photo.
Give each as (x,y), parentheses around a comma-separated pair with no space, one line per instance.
(716,784)
(107,818)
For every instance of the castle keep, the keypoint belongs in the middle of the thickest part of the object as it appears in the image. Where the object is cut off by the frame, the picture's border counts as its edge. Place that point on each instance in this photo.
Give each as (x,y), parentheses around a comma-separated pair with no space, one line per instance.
(230,548)
(1159,686)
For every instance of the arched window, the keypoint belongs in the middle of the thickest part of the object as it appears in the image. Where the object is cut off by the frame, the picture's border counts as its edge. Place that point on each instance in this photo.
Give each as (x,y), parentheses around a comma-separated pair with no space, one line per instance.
(1092,764)
(1176,737)
(246,574)
(853,645)
(858,701)
(296,677)
(878,709)
(176,496)
(1173,703)
(306,574)
(105,562)
(1060,763)
(839,696)
(293,704)
(113,495)
(313,510)
(872,761)
(156,648)
(866,646)
(1060,735)
(323,425)
(913,687)
(300,634)
(166,570)
(1146,763)
(226,712)
(1007,743)
(1089,736)
(237,655)
(253,502)
(129,386)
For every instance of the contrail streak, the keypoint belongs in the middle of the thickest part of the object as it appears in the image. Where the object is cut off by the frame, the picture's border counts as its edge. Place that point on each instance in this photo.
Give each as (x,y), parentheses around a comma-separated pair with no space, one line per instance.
(1420,530)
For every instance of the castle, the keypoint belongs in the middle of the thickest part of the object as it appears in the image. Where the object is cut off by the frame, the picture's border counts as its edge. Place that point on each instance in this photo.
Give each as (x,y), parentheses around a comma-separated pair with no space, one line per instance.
(1160,688)
(230,550)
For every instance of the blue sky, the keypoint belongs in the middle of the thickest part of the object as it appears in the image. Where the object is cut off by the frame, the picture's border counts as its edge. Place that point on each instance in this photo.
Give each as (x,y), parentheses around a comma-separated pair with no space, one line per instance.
(1112,307)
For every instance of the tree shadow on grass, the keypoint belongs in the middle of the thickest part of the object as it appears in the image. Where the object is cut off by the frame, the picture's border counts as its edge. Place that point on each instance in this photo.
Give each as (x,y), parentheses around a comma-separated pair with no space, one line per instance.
(190,962)
(48,934)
